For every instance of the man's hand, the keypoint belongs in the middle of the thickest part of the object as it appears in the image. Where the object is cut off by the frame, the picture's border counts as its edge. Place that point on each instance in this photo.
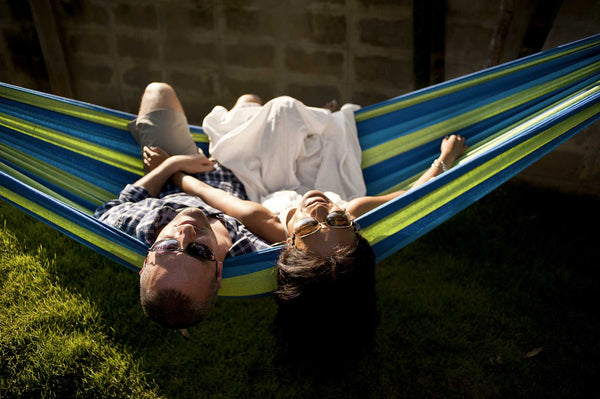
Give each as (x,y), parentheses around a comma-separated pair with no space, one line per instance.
(153,156)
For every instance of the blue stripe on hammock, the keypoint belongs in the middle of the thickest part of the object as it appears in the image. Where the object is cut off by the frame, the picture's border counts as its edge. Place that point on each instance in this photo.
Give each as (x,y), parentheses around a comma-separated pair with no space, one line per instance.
(82,104)
(399,123)
(250,263)
(478,74)
(105,136)
(126,116)
(91,224)
(59,190)
(386,174)
(400,202)
(67,233)
(107,177)
(391,244)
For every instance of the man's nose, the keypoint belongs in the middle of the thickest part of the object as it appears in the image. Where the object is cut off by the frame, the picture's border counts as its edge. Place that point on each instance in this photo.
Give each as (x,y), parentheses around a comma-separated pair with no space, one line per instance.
(186,233)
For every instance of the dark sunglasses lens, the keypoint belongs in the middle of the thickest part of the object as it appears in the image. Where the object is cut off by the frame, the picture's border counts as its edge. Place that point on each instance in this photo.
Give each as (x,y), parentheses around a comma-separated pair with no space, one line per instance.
(200,251)
(305,226)
(338,219)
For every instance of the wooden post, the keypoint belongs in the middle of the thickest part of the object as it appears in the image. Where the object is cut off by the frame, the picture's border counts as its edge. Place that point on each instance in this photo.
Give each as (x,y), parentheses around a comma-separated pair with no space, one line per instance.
(429,24)
(500,32)
(52,51)
(539,26)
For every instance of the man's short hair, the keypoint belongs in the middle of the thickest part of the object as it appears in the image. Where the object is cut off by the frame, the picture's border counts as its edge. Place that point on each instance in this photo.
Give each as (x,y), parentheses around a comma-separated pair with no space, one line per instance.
(327,310)
(172,309)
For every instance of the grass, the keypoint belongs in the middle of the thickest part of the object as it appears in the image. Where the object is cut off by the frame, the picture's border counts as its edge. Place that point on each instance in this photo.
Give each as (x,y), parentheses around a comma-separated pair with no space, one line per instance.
(500,301)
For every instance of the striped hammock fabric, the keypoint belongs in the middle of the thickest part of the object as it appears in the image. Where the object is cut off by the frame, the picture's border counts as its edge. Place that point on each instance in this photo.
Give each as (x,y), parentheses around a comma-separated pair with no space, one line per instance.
(60,159)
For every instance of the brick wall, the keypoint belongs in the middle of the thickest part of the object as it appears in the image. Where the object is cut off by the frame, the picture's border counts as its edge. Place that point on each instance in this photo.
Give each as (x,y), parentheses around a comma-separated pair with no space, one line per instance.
(357,51)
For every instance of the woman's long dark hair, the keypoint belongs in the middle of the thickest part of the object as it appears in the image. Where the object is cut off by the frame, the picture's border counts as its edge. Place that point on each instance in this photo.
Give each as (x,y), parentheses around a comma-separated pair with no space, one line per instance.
(327,307)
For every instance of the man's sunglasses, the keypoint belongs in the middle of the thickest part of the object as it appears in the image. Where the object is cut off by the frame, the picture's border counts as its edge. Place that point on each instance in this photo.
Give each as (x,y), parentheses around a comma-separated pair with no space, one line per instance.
(307,226)
(194,249)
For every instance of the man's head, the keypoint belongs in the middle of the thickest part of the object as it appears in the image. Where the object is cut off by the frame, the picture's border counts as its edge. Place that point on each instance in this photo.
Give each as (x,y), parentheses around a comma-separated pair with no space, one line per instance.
(181,275)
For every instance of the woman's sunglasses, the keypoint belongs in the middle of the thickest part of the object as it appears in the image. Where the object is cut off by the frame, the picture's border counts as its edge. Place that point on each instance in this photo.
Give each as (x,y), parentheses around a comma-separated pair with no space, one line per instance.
(307,226)
(194,249)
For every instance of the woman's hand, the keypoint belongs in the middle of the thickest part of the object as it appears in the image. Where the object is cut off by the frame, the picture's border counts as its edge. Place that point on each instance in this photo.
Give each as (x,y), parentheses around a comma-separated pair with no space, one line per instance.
(452,147)
(192,164)
(155,156)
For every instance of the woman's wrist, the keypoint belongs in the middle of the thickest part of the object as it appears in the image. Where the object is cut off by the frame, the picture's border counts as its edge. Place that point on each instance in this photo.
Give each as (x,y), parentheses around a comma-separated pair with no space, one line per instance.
(447,159)
(443,162)
(173,164)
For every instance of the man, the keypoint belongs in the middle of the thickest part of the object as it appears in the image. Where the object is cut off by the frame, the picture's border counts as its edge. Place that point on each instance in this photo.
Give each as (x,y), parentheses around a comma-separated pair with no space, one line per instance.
(189,239)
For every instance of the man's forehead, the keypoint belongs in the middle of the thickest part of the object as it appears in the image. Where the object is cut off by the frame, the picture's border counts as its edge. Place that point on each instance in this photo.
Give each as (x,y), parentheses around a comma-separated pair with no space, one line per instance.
(166,267)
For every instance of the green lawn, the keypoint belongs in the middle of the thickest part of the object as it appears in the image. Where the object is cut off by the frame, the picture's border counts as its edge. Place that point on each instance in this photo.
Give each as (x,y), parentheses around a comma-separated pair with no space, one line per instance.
(500,301)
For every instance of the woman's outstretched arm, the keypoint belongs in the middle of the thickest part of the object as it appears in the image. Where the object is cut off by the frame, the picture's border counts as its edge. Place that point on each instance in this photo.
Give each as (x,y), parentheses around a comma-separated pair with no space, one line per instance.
(451,148)
(258,219)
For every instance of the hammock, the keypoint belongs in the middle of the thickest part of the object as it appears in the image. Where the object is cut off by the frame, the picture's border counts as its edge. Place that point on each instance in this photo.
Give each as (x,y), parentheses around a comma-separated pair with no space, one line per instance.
(60,159)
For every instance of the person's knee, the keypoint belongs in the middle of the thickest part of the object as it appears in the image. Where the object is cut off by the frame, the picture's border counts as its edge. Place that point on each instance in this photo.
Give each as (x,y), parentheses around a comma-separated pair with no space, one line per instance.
(159,95)
(159,89)
(248,98)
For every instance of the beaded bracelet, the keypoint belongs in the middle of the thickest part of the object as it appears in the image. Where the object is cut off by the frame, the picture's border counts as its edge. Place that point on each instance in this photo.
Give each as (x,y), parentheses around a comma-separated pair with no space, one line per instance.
(438,163)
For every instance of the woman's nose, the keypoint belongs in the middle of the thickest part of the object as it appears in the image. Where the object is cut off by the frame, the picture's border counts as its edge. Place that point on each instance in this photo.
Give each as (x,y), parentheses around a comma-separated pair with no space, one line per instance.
(320,213)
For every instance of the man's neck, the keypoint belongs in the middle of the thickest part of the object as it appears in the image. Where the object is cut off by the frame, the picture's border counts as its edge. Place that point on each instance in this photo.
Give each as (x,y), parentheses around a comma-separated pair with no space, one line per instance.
(222,235)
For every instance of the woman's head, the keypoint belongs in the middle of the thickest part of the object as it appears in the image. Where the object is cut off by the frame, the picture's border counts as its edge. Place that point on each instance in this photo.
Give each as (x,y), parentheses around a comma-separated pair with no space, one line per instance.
(320,226)
(327,304)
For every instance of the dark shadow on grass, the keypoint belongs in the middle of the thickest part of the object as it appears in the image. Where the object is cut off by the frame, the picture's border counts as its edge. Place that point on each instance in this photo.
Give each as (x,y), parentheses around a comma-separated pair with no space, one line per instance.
(485,291)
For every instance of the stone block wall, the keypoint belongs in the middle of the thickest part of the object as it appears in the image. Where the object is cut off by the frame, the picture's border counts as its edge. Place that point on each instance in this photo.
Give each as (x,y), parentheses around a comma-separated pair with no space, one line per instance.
(574,167)
(21,60)
(211,51)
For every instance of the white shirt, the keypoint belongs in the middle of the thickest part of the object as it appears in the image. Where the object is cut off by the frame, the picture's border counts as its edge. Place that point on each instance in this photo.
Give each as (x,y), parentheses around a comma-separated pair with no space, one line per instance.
(285,145)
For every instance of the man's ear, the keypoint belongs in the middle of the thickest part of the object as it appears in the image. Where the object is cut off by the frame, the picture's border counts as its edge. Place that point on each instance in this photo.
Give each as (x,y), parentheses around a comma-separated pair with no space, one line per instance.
(289,241)
(220,273)
(143,265)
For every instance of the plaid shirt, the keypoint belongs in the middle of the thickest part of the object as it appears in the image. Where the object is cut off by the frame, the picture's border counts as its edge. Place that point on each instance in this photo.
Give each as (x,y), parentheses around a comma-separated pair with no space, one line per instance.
(142,216)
